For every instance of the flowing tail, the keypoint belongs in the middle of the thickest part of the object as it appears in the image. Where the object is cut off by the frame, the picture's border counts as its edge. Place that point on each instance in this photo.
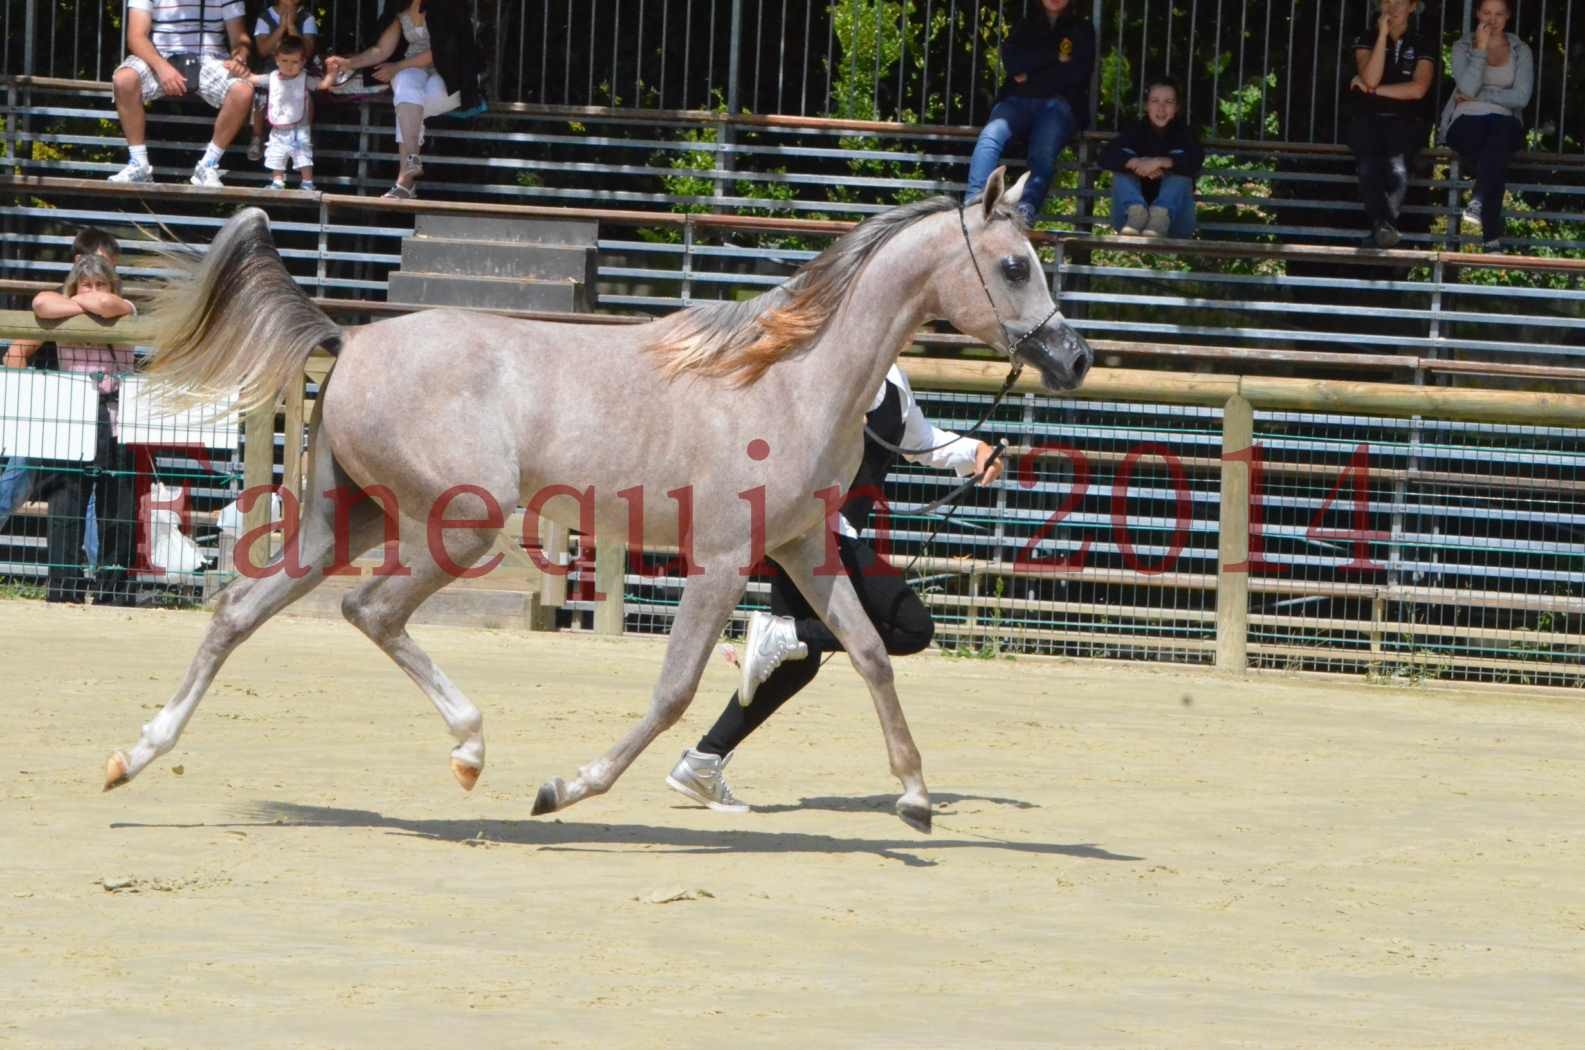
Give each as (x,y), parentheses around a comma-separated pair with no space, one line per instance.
(237,325)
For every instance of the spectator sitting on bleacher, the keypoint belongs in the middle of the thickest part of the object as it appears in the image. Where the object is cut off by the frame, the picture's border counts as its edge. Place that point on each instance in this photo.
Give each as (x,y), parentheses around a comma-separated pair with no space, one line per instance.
(18,478)
(1153,163)
(437,71)
(1395,69)
(1493,74)
(180,46)
(1049,57)
(277,22)
(291,115)
(92,288)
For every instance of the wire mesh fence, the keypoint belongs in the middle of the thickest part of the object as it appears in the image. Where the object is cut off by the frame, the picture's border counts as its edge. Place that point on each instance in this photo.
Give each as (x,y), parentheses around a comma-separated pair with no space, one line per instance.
(1394,548)
(106,498)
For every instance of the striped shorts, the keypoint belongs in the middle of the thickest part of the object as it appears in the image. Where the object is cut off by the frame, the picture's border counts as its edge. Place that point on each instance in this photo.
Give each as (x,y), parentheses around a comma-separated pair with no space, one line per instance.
(214,79)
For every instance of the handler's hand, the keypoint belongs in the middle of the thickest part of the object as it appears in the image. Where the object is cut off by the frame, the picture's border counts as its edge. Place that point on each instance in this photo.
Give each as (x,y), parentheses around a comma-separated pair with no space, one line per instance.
(982,456)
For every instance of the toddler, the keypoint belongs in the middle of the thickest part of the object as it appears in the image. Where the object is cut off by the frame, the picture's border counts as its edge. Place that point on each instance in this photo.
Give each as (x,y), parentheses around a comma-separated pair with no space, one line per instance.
(289,111)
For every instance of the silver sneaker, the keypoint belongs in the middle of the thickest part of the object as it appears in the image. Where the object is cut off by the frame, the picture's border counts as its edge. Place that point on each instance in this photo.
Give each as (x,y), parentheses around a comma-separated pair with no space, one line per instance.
(133,172)
(771,642)
(1134,220)
(701,777)
(1159,223)
(207,176)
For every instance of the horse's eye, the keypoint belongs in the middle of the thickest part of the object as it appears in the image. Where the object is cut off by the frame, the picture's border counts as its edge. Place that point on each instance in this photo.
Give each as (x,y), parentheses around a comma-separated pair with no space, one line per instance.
(1016,269)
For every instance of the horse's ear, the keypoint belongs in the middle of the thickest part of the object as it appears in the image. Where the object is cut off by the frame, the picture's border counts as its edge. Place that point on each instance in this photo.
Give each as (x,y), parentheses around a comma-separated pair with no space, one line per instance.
(993,190)
(1011,198)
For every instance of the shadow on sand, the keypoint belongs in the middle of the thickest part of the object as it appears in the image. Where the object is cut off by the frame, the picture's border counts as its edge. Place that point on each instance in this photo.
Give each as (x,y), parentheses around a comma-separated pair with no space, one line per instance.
(555,834)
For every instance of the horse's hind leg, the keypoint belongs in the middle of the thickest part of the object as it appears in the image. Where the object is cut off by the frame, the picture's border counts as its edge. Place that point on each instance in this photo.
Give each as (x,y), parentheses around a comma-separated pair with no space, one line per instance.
(833,597)
(381,608)
(707,602)
(246,603)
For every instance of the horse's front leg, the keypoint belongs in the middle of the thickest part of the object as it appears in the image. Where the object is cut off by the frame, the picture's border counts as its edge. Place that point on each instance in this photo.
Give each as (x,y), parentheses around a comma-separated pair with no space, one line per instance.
(707,603)
(833,598)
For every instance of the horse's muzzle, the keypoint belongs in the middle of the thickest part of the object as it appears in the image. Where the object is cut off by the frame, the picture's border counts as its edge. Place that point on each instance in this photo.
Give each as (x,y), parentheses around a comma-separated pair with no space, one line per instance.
(1061,355)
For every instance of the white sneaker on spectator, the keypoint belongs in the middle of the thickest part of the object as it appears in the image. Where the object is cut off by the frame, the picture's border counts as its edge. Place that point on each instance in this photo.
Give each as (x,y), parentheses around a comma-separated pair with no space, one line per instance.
(276,184)
(133,172)
(1134,221)
(1159,223)
(1472,215)
(207,176)
(307,186)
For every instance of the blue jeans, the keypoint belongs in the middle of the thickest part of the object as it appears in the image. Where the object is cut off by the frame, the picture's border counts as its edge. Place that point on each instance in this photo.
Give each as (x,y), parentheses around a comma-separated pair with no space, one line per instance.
(1175,193)
(1047,124)
(16,485)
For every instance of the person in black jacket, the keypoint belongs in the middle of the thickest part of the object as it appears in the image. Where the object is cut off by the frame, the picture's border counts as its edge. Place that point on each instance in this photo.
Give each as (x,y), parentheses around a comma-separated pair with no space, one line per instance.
(1049,58)
(427,53)
(782,651)
(1395,70)
(1154,163)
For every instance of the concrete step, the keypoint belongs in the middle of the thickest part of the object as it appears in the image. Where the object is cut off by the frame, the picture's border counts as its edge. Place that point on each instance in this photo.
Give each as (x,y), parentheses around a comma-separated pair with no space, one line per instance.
(499,259)
(579,232)
(488,293)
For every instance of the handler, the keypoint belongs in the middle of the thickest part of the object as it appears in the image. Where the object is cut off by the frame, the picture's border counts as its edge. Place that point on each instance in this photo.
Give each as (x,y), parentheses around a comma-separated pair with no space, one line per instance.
(783,649)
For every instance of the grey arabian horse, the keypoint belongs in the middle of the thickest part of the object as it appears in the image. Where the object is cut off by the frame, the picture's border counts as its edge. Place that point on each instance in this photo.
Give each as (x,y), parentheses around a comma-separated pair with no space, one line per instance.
(751,408)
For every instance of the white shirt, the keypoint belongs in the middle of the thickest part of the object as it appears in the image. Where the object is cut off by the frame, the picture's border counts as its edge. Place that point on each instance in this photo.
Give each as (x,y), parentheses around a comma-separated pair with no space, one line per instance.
(178,29)
(918,432)
(288,102)
(956,452)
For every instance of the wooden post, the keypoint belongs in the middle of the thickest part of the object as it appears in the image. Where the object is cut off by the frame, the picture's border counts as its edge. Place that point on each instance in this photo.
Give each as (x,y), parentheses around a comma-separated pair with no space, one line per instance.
(1232,588)
(1378,615)
(292,457)
(258,469)
(610,566)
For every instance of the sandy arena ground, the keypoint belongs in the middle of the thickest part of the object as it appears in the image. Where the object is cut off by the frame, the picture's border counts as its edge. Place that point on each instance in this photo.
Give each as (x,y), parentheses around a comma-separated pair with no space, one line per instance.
(1122,857)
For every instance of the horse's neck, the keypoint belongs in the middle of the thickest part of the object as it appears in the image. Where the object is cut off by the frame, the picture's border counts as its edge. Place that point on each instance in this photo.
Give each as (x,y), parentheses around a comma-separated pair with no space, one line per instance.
(889,301)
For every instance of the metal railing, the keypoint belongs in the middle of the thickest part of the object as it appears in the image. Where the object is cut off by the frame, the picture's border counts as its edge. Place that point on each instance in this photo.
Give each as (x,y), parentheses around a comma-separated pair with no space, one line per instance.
(1384,529)
(1261,71)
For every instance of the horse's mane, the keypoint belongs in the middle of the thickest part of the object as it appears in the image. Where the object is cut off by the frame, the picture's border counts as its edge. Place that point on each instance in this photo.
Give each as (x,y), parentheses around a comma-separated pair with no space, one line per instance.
(740,340)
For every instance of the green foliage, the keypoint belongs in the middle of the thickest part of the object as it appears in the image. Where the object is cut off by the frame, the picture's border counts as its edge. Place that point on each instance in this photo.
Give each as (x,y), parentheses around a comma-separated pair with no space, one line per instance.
(21,590)
(1117,78)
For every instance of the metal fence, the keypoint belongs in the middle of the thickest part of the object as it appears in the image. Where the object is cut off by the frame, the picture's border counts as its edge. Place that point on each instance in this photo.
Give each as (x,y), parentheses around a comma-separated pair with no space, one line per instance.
(1273,71)
(1403,548)
(1393,534)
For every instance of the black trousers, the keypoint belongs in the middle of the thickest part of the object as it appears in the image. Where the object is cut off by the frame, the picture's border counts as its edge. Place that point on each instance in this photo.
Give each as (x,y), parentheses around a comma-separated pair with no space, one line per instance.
(110,478)
(1377,140)
(900,618)
(1484,144)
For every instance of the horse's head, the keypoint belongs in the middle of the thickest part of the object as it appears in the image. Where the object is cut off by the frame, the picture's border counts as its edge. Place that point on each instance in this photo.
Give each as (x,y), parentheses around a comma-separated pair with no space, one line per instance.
(1000,296)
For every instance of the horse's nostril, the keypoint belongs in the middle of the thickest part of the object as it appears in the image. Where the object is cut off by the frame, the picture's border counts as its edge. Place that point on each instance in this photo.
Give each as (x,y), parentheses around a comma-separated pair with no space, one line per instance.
(1081,365)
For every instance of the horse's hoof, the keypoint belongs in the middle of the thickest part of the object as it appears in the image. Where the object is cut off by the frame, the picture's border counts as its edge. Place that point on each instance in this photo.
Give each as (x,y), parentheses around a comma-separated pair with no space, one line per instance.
(116,771)
(466,775)
(915,816)
(548,800)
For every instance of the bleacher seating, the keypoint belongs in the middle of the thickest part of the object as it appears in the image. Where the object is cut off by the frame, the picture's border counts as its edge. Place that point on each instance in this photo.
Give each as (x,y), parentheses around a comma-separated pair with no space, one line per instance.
(1275,281)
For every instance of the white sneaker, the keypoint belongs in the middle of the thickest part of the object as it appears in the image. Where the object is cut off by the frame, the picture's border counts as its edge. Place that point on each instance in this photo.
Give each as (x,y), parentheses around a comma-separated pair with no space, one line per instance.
(275,184)
(133,172)
(1470,219)
(307,186)
(207,176)
(701,777)
(1160,222)
(771,642)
